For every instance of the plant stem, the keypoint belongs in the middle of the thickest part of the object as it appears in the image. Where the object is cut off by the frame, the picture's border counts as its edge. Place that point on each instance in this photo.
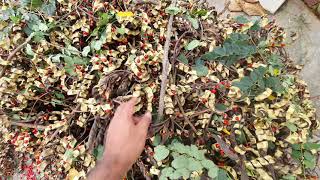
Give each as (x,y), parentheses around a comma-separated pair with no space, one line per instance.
(165,68)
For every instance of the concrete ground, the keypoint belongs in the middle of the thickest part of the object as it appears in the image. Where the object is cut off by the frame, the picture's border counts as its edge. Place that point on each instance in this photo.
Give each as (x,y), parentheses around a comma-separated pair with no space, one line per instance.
(297,19)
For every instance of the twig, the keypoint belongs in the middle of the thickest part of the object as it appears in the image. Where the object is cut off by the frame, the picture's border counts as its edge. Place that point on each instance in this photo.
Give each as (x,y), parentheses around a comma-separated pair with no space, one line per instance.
(184,115)
(165,67)
(92,135)
(225,147)
(145,2)
(143,170)
(13,53)
(68,121)
(28,125)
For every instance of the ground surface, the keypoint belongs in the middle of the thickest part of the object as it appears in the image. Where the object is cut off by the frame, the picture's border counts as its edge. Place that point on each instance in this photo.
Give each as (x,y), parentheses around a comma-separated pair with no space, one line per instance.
(298,19)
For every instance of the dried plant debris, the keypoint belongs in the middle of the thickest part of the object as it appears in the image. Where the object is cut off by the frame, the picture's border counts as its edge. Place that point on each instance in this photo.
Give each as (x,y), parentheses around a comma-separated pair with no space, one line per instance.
(233,104)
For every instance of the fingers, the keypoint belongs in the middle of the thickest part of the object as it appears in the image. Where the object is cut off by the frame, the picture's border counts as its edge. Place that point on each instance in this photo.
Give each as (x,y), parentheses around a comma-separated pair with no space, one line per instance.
(144,123)
(128,107)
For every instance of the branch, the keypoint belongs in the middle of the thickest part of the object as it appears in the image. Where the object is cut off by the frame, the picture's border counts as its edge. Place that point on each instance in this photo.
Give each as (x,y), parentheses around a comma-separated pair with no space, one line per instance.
(225,147)
(184,115)
(145,2)
(28,125)
(92,135)
(13,53)
(165,68)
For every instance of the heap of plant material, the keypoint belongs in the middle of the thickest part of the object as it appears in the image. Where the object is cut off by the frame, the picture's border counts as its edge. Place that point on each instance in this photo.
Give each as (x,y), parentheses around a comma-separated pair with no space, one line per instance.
(233,106)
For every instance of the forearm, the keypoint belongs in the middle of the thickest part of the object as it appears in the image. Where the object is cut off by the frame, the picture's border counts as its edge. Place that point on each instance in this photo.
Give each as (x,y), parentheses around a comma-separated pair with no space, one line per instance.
(104,171)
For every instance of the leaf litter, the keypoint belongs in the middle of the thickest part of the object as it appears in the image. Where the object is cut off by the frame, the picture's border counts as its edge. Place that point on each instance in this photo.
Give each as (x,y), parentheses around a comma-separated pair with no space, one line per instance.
(234,106)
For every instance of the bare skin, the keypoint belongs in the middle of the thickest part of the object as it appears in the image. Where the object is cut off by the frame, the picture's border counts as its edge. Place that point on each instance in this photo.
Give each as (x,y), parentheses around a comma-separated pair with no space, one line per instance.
(125,141)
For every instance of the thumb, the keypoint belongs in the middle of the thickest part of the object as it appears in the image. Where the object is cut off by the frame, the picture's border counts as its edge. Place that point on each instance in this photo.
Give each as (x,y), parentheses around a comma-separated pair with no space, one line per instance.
(144,121)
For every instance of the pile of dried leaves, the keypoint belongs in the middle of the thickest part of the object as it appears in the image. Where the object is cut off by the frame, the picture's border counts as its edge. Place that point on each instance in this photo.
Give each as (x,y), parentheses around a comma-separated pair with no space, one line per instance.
(233,106)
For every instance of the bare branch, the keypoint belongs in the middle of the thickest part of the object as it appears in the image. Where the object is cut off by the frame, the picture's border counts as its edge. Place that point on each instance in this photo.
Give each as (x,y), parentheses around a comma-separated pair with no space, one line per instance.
(165,68)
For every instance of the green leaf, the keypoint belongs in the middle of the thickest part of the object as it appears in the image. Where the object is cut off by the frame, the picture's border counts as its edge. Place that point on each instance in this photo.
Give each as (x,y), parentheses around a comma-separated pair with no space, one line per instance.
(241,19)
(292,127)
(85,51)
(104,18)
(222,175)
(213,172)
(194,165)
(172,10)
(196,153)
(29,50)
(289,177)
(185,173)
(167,172)
(157,140)
(160,153)
(208,164)
(35,3)
(200,68)
(96,45)
(194,22)
(43,27)
(199,12)
(235,47)
(193,44)
(180,148)
(180,162)
(296,146)
(244,84)
(275,84)
(309,163)
(308,156)
(121,31)
(310,146)
(98,152)
(296,154)
(183,59)
(58,95)
(49,8)
(221,107)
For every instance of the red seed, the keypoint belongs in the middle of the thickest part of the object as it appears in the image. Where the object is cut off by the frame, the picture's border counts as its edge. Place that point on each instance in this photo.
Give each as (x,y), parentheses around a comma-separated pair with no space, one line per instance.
(84,33)
(237,118)
(282,45)
(223,83)
(213,91)
(221,152)
(217,146)
(226,122)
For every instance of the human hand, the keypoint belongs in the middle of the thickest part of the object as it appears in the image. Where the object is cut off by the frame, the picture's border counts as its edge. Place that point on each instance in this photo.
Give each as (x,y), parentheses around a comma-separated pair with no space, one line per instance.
(125,141)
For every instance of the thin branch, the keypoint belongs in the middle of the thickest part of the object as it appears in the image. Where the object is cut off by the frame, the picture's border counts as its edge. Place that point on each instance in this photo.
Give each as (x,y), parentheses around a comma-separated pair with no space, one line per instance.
(184,115)
(165,67)
(225,147)
(28,125)
(92,134)
(13,53)
(145,2)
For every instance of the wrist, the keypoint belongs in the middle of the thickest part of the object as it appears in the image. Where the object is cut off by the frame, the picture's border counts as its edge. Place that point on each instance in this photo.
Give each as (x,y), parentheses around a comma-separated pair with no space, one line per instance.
(105,169)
